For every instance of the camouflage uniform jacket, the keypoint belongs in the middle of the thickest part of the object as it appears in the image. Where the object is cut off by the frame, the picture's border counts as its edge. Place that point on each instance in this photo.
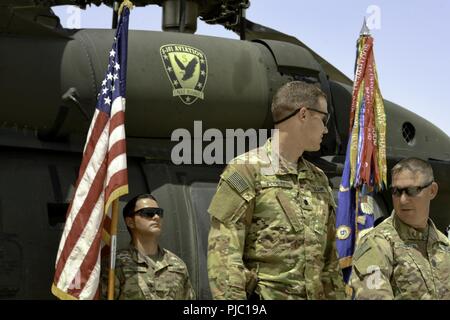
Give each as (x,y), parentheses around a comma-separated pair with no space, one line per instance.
(279,224)
(139,277)
(395,261)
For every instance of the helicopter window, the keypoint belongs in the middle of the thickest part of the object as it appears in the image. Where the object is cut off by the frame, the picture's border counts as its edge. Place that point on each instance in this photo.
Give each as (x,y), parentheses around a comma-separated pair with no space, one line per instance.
(409,133)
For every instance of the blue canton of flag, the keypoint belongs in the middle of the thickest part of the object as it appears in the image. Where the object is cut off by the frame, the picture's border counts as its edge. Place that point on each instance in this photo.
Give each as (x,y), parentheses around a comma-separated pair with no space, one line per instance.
(114,84)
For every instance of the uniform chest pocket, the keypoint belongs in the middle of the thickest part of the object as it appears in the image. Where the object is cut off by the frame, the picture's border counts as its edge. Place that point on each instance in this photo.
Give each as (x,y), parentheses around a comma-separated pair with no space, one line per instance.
(136,284)
(278,190)
(409,271)
(441,263)
(170,282)
(133,271)
(315,200)
(289,210)
(318,197)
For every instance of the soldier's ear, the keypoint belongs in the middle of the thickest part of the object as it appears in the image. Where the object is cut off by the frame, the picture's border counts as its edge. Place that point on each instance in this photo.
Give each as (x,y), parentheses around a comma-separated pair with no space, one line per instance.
(302,112)
(434,188)
(129,221)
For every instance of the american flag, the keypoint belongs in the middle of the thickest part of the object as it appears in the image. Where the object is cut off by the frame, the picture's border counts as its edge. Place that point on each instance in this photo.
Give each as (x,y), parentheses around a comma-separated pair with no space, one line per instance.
(102,178)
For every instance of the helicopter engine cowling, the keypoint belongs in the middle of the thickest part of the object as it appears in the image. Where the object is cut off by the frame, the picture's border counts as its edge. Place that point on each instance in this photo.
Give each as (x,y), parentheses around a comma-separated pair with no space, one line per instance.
(239,81)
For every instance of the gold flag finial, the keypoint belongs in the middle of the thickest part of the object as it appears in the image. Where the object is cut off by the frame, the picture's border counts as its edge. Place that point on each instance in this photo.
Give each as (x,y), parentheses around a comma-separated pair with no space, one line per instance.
(126,3)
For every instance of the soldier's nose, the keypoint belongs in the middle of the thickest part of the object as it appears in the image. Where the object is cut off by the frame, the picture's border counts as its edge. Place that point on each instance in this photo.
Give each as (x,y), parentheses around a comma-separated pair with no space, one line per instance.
(404,198)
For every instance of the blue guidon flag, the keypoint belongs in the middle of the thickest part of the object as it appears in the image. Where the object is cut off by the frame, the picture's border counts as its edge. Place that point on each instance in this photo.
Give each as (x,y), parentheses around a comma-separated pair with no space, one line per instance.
(102,178)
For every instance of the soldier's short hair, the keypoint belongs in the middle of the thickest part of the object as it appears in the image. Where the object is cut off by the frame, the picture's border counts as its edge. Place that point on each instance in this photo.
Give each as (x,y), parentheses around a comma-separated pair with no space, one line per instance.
(128,210)
(292,96)
(415,165)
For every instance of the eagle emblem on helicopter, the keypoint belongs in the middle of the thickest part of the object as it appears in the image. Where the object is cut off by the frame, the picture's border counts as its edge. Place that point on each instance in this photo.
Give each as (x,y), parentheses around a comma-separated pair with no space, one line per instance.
(187,70)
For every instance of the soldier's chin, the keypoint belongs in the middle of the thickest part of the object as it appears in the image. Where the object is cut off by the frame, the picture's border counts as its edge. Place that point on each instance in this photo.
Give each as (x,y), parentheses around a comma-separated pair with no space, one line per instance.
(313,149)
(156,231)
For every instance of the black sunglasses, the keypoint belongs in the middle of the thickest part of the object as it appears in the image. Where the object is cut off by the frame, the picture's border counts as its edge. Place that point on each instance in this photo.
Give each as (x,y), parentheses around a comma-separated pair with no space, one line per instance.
(410,191)
(324,120)
(150,212)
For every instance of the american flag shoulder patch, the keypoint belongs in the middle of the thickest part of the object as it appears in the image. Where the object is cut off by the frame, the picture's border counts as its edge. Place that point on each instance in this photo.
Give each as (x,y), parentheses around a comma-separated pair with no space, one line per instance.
(237,182)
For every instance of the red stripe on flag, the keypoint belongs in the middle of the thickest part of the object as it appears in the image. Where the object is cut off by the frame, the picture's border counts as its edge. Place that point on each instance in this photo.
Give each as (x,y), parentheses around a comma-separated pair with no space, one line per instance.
(117,119)
(88,264)
(120,178)
(81,219)
(100,124)
(99,127)
(117,149)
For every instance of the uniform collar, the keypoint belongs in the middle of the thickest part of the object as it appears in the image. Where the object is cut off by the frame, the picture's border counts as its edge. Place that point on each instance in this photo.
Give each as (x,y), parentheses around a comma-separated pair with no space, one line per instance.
(407,232)
(140,258)
(286,167)
(436,235)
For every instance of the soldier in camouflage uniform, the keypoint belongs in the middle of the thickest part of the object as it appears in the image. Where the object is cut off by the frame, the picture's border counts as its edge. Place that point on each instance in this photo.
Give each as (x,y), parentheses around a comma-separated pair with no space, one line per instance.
(405,257)
(272,230)
(144,270)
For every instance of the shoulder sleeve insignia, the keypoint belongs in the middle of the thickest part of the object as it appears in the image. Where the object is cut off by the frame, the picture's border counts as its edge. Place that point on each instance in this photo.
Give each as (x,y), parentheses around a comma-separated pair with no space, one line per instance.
(237,182)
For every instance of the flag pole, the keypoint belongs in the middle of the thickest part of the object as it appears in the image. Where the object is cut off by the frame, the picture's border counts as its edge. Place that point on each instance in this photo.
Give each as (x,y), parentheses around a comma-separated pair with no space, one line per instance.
(112,266)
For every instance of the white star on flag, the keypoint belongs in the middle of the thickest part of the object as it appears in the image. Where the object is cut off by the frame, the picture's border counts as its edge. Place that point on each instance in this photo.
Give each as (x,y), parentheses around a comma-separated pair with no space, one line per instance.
(107,100)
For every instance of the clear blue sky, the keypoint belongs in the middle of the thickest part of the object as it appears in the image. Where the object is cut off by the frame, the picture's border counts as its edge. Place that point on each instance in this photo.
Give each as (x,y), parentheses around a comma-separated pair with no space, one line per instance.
(412,47)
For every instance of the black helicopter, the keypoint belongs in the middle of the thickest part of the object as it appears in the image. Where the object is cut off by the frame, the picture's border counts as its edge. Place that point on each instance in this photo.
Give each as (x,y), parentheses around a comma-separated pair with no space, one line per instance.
(43,125)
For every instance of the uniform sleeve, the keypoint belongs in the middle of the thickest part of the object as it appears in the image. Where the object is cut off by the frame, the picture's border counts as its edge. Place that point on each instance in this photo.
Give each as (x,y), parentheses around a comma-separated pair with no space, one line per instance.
(332,279)
(229,209)
(372,269)
(189,293)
